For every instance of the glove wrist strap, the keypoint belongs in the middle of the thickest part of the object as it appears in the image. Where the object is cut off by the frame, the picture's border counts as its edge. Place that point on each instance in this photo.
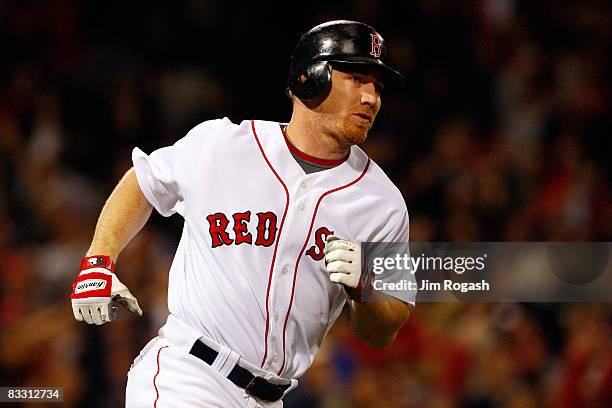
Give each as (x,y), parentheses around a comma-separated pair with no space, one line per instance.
(364,291)
(354,293)
(98,261)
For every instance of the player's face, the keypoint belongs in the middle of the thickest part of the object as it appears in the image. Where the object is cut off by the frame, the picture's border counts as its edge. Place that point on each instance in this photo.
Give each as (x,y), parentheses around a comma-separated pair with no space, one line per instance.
(352,103)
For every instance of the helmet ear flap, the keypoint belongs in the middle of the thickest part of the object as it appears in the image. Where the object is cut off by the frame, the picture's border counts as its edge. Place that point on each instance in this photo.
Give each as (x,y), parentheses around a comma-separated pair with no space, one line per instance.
(318,79)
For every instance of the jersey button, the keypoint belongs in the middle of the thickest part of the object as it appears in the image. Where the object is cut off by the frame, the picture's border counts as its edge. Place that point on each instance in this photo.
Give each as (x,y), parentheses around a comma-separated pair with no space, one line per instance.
(301,206)
(303,185)
(275,359)
(276,316)
(284,270)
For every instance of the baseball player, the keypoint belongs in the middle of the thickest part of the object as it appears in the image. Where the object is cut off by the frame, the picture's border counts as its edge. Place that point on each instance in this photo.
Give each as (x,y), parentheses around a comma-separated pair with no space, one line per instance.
(274,215)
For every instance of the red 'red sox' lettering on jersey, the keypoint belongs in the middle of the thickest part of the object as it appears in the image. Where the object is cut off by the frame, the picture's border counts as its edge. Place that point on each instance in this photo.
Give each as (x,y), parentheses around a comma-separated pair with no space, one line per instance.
(316,251)
(218,224)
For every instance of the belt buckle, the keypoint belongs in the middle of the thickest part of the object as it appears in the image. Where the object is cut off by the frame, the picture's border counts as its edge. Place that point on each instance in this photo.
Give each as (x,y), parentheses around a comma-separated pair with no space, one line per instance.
(261,388)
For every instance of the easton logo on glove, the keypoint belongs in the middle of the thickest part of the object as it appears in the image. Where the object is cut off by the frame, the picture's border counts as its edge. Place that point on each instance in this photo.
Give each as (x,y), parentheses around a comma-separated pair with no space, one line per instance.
(90,284)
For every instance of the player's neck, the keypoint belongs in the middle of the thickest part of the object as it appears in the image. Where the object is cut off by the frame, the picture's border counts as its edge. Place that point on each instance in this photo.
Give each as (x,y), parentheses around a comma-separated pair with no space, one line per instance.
(308,135)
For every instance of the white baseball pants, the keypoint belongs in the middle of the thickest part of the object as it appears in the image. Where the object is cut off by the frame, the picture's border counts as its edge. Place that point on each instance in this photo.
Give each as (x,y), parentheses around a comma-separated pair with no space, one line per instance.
(165,375)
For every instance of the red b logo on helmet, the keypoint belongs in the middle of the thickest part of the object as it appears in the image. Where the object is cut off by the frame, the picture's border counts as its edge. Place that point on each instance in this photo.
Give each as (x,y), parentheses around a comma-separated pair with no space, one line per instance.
(375,46)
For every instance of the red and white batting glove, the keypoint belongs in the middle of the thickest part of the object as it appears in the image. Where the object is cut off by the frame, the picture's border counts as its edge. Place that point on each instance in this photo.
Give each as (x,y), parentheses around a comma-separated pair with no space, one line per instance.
(343,261)
(95,288)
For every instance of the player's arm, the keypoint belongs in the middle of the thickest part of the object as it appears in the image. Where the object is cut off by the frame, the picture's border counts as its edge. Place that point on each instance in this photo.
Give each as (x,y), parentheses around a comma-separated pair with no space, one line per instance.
(376,323)
(125,213)
(96,286)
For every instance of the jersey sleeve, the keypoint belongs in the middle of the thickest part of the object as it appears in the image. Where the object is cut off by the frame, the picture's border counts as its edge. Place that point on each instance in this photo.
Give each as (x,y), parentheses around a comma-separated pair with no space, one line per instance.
(166,175)
(390,242)
(398,229)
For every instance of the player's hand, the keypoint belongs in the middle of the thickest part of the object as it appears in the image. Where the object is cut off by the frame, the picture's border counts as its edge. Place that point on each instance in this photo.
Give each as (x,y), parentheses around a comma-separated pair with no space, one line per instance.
(343,261)
(94,290)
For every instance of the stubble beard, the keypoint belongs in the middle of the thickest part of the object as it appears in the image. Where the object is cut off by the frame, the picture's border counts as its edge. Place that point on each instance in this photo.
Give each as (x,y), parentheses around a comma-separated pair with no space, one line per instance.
(345,130)
(353,133)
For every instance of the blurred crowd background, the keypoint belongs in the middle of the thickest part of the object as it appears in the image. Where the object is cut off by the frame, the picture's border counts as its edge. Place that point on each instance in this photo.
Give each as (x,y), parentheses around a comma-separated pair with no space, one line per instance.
(500,134)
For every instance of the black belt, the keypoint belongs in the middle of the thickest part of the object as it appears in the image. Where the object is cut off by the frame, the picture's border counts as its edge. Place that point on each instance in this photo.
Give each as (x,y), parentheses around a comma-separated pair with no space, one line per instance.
(253,385)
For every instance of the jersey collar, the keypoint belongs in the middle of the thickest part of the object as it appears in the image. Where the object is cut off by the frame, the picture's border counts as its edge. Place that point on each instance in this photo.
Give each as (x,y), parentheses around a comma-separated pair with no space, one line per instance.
(279,154)
(308,158)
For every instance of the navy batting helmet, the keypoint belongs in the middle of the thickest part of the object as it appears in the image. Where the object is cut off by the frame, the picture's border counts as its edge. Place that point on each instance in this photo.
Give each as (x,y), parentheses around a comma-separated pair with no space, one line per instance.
(340,41)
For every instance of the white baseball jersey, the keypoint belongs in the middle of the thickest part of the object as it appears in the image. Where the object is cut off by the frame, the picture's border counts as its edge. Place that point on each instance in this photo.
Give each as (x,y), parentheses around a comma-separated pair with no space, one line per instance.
(249,271)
